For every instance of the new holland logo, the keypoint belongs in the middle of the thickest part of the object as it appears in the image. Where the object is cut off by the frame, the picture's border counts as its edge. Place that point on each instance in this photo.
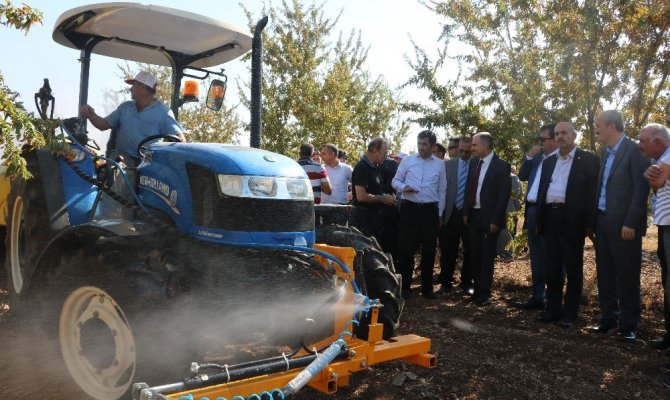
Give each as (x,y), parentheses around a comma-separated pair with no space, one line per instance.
(162,190)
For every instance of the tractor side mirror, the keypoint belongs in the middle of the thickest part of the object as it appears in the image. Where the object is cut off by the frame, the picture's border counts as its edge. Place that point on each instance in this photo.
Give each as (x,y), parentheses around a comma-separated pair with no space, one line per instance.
(215,95)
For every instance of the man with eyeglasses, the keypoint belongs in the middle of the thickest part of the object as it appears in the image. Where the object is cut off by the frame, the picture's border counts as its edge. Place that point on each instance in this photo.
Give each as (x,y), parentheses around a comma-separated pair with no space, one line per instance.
(368,190)
(454,231)
(452,147)
(530,171)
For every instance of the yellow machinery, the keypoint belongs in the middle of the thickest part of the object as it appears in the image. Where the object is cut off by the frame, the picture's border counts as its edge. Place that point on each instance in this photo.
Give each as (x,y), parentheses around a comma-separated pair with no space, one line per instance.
(356,355)
(4,192)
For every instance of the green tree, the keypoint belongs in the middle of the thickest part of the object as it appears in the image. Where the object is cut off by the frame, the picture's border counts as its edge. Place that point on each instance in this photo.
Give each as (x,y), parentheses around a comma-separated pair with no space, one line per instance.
(15,123)
(200,123)
(318,91)
(536,61)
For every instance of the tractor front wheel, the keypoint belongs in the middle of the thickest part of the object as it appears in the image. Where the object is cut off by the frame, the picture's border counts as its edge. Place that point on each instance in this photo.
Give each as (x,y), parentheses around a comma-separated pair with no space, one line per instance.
(97,343)
(375,275)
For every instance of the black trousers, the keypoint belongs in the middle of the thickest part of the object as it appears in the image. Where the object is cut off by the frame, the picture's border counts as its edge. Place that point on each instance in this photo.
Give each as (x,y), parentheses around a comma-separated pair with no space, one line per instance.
(388,234)
(483,247)
(418,226)
(660,252)
(453,233)
(618,263)
(564,248)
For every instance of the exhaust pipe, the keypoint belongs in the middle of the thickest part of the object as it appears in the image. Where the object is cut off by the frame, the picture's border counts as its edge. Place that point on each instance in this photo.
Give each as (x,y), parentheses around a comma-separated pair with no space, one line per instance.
(257,83)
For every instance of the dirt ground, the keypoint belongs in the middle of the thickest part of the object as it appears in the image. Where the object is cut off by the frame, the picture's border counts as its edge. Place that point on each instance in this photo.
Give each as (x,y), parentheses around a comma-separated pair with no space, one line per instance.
(495,352)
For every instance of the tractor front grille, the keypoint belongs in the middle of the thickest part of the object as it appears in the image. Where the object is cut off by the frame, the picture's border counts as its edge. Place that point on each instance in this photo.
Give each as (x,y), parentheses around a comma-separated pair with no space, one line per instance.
(214,210)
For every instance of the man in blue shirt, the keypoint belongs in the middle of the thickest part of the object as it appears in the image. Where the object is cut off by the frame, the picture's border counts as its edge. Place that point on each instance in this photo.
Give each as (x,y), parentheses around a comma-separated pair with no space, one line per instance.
(621,223)
(138,118)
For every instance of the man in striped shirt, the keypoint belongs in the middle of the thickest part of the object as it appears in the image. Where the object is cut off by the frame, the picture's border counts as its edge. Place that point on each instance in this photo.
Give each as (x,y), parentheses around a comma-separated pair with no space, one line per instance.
(315,172)
(655,144)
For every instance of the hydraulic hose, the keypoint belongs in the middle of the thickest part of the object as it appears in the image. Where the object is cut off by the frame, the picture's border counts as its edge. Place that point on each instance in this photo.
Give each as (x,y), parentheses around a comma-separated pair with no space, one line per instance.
(321,361)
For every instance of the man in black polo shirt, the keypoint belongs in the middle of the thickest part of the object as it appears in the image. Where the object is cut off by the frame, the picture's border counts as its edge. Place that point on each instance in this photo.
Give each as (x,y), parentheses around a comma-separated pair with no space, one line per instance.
(368,194)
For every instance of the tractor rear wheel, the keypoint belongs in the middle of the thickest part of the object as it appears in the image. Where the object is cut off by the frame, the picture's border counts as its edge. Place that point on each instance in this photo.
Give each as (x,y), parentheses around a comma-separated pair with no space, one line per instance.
(26,236)
(375,275)
(106,333)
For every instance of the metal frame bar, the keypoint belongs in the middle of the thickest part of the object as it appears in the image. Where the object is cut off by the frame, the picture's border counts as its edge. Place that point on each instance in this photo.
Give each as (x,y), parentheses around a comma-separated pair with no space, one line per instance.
(361,355)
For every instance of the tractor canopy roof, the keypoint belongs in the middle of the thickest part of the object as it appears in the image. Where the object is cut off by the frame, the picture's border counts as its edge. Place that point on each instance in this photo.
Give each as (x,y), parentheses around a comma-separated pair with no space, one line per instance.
(151,34)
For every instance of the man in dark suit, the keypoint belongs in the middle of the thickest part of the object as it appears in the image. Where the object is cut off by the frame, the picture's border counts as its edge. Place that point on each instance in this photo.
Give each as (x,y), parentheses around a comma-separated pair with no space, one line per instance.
(621,223)
(485,211)
(568,182)
(453,231)
(530,171)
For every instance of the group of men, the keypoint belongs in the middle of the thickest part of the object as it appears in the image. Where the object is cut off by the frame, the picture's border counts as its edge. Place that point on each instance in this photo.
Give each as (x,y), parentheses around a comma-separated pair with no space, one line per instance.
(571,195)
(463,198)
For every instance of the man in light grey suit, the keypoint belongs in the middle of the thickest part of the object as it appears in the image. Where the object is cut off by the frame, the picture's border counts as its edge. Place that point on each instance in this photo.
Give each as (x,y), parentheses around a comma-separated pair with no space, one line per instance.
(621,222)
(453,230)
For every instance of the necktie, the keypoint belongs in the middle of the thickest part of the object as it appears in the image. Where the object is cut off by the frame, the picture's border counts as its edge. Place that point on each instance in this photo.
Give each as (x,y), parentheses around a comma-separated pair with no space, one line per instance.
(460,189)
(472,198)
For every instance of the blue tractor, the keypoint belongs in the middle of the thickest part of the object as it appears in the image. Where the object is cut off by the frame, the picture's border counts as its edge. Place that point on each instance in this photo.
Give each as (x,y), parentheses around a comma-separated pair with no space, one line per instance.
(116,260)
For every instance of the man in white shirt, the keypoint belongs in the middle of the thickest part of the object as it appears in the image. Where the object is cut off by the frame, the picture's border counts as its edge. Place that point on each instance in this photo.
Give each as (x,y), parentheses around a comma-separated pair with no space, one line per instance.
(655,144)
(422,181)
(530,172)
(339,175)
(567,188)
(485,211)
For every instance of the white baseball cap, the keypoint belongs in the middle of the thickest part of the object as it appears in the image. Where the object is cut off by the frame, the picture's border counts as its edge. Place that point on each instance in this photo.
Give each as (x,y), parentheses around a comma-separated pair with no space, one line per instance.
(145,78)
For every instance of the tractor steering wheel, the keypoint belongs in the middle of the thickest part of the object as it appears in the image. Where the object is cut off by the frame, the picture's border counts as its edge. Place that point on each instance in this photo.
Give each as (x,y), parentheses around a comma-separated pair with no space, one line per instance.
(142,149)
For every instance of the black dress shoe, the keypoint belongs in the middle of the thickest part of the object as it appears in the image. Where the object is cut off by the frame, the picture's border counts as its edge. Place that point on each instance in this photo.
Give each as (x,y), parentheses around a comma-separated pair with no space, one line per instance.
(547,317)
(566,323)
(660,344)
(447,288)
(628,336)
(407,294)
(429,295)
(468,290)
(666,366)
(483,301)
(664,380)
(600,329)
(530,305)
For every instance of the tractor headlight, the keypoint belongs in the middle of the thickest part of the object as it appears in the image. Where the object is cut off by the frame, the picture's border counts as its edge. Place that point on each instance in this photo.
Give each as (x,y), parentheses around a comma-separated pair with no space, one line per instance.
(231,185)
(299,189)
(261,186)
(265,187)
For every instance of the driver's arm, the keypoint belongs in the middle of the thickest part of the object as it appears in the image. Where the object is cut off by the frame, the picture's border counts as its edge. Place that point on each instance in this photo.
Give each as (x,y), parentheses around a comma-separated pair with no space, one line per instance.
(87,111)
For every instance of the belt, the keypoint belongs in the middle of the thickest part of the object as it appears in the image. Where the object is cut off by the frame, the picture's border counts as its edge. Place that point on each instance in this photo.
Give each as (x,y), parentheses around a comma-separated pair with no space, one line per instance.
(602,212)
(419,205)
(531,203)
(555,205)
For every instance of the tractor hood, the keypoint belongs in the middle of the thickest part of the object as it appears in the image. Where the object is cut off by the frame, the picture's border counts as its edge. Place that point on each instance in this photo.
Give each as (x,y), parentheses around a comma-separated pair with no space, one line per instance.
(226,159)
(144,33)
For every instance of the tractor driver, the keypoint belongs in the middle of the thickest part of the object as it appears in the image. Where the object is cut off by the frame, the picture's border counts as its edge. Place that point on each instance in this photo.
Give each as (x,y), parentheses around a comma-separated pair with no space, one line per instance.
(135,119)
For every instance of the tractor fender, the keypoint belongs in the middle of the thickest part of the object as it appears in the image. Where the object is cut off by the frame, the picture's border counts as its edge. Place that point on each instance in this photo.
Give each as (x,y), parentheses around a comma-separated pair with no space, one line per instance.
(85,234)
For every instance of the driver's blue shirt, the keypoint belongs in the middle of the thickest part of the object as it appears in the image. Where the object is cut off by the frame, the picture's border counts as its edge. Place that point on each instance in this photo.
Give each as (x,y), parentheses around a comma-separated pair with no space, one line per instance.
(132,126)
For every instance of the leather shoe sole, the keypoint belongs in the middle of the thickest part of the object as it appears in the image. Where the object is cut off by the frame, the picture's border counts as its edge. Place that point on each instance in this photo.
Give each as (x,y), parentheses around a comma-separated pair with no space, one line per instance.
(483,301)
(547,317)
(566,323)
(602,329)
(469,290)
(430,295)
(628,336)
(530,305)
